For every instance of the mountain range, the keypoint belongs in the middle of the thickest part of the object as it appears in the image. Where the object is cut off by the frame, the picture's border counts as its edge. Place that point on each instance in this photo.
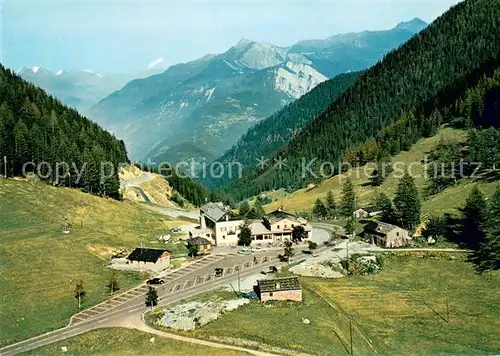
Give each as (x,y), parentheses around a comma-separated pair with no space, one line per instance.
(80,89)
(201,108)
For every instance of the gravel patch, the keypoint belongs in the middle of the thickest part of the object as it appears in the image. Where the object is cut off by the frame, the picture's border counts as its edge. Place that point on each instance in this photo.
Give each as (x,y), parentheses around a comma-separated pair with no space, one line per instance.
(191,315)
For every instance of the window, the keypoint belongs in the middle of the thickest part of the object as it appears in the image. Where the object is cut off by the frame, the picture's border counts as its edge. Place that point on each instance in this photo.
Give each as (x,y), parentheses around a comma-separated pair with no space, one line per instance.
(271,294)
(278,227)
(285,226)
(224,237)
(397,233)
(293,226)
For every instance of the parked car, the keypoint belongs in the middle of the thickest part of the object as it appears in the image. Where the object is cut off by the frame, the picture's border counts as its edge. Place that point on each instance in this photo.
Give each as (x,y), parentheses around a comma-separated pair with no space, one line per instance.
(155,281)
(273,269)
(219,272)
(258,249)
(315,255)
(176,229)
(244,251)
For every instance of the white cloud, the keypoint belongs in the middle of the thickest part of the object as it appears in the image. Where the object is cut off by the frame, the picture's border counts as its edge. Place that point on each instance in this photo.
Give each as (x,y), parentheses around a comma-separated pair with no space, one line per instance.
(155,63)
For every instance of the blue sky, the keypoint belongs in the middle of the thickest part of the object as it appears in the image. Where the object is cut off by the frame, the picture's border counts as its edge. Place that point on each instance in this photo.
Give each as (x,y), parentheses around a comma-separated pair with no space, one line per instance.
(123,36)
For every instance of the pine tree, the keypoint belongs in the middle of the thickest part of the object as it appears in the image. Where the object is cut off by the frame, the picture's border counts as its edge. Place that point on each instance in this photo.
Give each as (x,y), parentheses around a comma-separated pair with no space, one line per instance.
(151,297)
(331,205)
(244,208)
(488,256)
(320,209)
(474,218)
(407,203)
(384,204)
(348,200)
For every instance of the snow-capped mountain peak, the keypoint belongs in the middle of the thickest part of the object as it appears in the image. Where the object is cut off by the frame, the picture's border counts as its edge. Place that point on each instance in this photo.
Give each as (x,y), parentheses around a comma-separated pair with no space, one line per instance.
(35,69)
(90,71)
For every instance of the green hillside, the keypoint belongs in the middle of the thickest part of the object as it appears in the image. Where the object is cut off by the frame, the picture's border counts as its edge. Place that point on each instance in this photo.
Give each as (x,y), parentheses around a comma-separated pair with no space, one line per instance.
(61,144)
(39,266)
(447,201)
(403,86)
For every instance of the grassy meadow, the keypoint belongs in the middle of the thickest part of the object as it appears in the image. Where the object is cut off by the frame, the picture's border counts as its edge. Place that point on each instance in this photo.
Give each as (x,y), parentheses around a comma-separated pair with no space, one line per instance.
(127,342)
(401,310)
(39,266)
(445,202)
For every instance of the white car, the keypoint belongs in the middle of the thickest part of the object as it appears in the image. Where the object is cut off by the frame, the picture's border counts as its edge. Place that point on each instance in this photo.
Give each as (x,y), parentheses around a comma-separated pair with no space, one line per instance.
(258,249)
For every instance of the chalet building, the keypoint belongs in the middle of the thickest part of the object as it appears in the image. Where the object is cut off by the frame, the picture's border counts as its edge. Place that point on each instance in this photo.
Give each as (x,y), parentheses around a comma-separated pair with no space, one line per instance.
(154,259)
(287,288)
(277,227)
(366,212)
(203,245)
(386,235)
(218,224)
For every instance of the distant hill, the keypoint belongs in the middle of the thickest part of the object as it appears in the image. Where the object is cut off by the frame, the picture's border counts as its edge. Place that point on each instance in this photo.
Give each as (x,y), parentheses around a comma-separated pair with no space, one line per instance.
(455,44)
(201,108)
(36,128)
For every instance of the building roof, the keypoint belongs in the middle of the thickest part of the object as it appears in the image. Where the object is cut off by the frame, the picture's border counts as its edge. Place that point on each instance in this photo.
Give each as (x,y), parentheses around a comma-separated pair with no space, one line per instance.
(369,209)
(258,228)
(380,227)
(198,241)
(278,215)
(217,211)
(144,254)
(278,284)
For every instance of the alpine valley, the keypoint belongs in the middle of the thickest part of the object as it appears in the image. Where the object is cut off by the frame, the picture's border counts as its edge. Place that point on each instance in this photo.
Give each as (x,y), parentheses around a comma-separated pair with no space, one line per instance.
(201,108)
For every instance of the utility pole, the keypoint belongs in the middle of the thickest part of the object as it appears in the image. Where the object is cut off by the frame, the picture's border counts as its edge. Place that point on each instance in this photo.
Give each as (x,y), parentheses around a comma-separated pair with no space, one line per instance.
(239,288)
(5,166)
(447,306)
(350,332)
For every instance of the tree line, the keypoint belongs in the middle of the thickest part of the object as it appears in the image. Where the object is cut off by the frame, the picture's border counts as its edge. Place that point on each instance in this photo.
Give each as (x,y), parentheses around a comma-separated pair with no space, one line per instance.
(62,147)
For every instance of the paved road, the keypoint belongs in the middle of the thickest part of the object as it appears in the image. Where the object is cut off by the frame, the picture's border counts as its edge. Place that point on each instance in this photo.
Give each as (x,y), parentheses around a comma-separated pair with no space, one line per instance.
(193,214)
(146,177)
(180,284)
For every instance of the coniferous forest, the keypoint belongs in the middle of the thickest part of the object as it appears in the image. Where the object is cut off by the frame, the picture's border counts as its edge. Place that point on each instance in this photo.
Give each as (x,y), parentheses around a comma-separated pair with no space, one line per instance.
(54,141)
(399,91)
(278,129)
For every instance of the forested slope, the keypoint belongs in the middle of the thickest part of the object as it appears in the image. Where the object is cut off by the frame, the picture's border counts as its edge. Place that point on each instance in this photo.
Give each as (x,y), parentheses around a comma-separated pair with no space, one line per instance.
(62,146)
(277,130)
(457,43)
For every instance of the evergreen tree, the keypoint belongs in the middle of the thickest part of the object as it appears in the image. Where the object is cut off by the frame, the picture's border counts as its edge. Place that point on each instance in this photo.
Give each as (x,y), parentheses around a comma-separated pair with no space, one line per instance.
(319,209)
(151,297)
(331,205)
(348,200)
(474,218)
(407,203)
(384,204)
(488,256)
(298,234)
(245,236)
(244,208)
